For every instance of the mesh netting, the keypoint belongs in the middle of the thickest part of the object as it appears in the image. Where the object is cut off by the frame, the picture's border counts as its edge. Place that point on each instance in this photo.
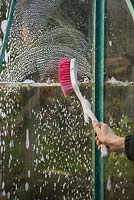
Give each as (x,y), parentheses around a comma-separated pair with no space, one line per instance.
(42,33)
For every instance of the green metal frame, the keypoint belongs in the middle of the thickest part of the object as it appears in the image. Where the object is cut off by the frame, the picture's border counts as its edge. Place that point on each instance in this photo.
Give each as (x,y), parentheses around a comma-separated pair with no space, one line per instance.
(99,93)
(5,39)
(131,8)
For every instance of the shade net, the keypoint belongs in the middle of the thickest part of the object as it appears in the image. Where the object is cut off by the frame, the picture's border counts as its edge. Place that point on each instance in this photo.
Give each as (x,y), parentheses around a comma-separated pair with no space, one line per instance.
(43,32)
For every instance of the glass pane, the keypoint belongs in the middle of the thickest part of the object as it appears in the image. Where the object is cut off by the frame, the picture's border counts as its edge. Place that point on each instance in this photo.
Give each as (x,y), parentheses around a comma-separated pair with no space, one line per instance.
(119,95)
(45,31)
(119,42)
(46,148)
(45,145)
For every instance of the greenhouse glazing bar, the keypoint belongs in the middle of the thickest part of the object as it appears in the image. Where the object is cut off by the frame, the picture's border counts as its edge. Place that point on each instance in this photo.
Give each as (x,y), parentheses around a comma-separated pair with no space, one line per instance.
(131,8)
(5,39)
(99,92)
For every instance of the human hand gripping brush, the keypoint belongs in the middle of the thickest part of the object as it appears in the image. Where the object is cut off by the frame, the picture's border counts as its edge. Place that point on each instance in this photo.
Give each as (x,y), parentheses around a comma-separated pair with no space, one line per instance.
(68,81)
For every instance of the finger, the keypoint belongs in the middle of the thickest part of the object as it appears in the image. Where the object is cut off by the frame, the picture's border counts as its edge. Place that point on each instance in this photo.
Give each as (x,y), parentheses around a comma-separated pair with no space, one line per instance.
(96,138)
(97,130)
(98,143)
(99,147)
(94,124)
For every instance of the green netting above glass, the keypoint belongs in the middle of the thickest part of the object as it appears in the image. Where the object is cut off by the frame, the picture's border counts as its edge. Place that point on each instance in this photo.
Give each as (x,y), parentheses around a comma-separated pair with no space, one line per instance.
(43,32)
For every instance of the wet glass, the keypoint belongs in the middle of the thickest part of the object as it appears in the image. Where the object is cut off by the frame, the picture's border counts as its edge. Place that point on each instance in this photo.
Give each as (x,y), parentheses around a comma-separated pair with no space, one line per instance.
(46,148)
(43,32)
(119,95)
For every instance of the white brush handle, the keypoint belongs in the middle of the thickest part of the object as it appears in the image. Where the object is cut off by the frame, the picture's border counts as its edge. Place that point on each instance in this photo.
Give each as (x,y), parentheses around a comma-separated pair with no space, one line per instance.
(84,102)
(88,112)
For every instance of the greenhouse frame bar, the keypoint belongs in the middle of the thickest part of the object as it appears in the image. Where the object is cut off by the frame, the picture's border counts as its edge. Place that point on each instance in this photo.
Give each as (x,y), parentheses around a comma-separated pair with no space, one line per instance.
(99,93)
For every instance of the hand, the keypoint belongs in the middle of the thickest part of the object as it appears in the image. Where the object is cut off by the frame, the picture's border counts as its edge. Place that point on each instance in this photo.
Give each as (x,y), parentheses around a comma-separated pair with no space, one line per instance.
(105,135)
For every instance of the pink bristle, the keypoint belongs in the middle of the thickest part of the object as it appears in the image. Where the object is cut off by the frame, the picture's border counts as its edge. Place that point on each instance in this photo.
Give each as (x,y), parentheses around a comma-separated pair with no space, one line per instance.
(64,77)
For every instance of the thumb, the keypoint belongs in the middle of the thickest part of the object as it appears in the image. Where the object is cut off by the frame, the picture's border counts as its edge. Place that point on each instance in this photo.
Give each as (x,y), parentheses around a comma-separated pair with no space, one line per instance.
(96,127)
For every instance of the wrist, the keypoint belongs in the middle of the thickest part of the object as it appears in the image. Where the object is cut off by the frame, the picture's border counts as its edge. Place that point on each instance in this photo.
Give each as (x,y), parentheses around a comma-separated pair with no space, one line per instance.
(119,144)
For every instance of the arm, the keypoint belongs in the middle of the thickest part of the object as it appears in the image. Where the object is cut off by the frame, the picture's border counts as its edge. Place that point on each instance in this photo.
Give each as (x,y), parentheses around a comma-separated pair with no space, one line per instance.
(129,147)
(105,135)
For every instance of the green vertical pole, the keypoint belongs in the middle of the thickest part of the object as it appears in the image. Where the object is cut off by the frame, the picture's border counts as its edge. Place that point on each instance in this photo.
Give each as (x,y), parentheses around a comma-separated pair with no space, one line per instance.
(131,8)
(99,92)
(5,39)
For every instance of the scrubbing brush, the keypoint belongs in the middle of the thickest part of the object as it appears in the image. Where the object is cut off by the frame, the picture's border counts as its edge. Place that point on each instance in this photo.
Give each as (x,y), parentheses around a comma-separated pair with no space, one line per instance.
(69,84)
